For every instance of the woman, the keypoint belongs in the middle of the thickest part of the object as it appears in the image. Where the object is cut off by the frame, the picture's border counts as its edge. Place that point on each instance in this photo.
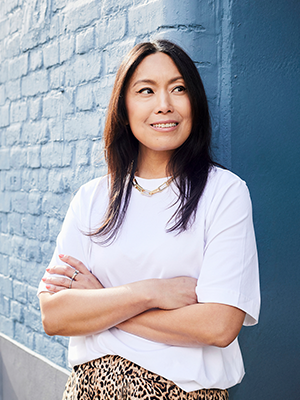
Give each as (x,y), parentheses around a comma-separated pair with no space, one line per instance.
(171,274)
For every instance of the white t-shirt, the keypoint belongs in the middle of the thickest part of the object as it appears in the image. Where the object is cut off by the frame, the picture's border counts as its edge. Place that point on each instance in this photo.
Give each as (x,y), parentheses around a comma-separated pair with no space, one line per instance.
(219,250)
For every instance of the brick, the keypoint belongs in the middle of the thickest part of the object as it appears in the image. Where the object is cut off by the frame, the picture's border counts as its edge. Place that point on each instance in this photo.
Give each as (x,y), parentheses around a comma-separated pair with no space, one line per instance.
(35,227)
(10,5)
(13,90)
(4,28)
(85,97)
(4,159)
(67,47)
(13,181)
(33,255)
(35,83)
(16,267)
(19,202)
(4,115)
(111,30)
(56,129)
(84,68)
(57,78)
(56,181)
(16,311)
(112,7)
(55,205)
(12,45)
(56,104)
(6,286)
(51,349)
(34,156)
(84,125)
(42,229)
(31,270)
(20,292)
(35,59)
(102,91)
(3,222)
(4,71)
(2,95)
(114,55)
(35,108)
(34,202)
(51,55)
(18,157)
(16,20)
(12,135)
(56,154)
(6,326)
(83,153)
(35,180)
(4,305)
(35,132)
(14,223)
(55,28)
(79,14)
(47,252)
(54,228)
(97,156)
(18,67)
(32,297)
(5,244)
(18,111)
(24,335)
(33,319)
(4,265)
(85,41)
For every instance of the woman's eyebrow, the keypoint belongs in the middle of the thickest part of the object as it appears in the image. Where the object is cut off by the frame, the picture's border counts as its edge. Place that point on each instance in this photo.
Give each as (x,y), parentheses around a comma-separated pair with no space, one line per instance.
(150,81)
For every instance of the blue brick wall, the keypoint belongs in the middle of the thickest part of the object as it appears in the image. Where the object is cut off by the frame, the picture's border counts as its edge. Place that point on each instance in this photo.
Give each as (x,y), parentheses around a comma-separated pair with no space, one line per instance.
(57,66)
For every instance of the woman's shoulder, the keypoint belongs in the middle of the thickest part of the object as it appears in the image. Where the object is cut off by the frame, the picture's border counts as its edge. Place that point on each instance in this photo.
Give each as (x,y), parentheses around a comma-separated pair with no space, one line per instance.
(93,191)
(221,181)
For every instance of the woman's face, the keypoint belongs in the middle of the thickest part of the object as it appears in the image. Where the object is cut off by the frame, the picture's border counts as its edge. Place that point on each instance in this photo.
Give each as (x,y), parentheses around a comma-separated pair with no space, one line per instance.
(158,106)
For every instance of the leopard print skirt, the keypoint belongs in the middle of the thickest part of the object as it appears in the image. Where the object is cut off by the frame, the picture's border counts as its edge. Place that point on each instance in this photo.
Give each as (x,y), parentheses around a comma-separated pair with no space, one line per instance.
(115,378)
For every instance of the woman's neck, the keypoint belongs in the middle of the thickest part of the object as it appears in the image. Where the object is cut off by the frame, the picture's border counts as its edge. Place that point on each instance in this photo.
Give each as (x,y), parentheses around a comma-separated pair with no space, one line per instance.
(153,165)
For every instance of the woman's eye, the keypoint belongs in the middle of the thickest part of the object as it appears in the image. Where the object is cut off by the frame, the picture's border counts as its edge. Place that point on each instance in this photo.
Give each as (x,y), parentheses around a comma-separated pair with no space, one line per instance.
(145,91)
(179,89)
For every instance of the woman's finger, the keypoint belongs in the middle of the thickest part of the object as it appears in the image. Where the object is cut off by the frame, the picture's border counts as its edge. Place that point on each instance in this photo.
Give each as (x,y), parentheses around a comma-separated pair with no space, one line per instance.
(74,263)
(63,282)
(64,270)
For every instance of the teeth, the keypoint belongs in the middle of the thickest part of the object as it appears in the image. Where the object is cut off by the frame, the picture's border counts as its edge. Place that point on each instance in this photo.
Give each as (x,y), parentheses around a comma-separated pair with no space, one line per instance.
(165,125)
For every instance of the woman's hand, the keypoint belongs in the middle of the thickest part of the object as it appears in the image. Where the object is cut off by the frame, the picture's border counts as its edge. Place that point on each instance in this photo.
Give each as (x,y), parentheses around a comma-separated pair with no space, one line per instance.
(83,280)
(169,294)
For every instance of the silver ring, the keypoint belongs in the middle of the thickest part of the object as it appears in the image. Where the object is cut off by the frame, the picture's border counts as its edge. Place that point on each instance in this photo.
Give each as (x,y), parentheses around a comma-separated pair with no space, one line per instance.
(75,274)
(73,278)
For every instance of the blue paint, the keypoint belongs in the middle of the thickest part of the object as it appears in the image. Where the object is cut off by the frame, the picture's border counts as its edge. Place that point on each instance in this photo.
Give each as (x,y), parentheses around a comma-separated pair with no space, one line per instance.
(265,152)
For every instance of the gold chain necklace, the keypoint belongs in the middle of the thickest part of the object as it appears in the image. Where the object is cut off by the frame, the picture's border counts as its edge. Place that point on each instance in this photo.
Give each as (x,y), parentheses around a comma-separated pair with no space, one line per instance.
(150,193)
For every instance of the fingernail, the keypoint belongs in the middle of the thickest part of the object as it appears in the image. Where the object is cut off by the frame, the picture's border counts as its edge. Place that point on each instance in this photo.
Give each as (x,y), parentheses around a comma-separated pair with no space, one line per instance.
(43,279)
(61,255)
(47,269)
(48,287)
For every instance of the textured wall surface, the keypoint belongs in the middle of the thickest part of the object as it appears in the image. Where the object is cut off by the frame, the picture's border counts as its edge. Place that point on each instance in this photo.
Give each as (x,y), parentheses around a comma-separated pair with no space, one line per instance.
(57,66)
(265,152)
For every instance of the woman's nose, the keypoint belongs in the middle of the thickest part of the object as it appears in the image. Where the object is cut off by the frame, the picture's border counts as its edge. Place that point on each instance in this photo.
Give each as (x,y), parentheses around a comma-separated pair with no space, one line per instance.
(164,104)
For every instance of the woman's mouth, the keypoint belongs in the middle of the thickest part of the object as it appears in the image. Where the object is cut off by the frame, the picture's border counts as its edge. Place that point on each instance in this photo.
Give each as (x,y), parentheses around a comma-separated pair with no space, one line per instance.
(167,125)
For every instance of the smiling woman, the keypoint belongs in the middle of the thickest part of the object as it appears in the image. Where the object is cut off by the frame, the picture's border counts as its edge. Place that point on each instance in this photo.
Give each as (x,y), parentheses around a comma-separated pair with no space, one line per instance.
(155,269)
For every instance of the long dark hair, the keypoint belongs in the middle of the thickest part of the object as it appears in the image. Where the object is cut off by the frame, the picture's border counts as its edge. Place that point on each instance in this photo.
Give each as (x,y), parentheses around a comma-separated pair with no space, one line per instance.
(189,164)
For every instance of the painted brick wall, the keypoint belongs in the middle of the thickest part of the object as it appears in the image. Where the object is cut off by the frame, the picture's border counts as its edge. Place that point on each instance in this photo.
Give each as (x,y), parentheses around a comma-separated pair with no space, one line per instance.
(57,64)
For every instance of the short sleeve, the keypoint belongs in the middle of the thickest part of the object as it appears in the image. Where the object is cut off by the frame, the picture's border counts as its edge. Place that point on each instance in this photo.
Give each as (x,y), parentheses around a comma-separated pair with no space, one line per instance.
(71,239)
(229,273)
